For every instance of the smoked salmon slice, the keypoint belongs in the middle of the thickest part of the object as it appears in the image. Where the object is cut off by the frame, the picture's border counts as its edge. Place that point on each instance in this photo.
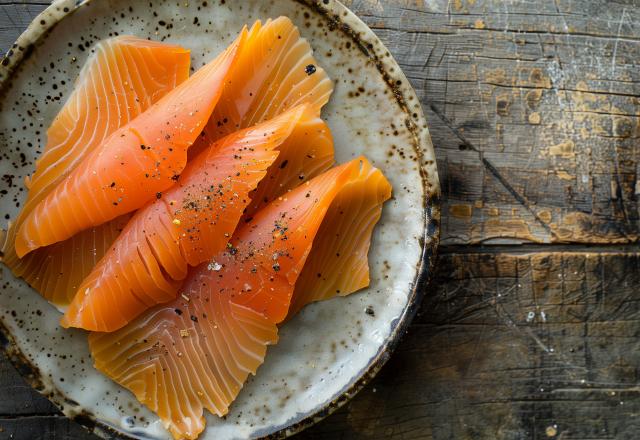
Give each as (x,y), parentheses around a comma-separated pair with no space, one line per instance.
(197,351)
(274,72)
(338,264)
(183,227)
(137,72)
(131,165)
(56,271)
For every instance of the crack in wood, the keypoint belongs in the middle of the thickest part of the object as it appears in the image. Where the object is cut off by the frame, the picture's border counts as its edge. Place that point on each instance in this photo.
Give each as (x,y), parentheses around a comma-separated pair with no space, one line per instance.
(534,248)
(493,170)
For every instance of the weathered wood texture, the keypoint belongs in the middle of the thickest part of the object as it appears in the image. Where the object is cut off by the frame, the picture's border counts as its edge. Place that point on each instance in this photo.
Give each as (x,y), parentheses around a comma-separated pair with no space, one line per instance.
(512,346)
(533,108)
(532,325)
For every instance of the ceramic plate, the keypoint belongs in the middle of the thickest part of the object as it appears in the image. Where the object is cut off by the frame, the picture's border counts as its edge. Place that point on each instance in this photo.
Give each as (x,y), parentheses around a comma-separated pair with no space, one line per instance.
(331,349)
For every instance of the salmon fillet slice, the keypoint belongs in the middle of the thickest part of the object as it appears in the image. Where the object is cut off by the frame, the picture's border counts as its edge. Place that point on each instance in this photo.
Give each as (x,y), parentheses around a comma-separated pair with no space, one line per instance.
(338,264)
(197,351)
(274,72)
(138,72)
(137,160)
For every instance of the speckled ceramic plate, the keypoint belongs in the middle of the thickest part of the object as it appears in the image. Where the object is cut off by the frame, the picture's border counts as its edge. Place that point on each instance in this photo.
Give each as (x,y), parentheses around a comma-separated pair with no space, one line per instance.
(331,349)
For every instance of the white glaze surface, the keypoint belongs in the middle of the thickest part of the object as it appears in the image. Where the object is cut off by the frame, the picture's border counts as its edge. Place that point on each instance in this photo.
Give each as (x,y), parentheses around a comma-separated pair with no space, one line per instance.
(323,350)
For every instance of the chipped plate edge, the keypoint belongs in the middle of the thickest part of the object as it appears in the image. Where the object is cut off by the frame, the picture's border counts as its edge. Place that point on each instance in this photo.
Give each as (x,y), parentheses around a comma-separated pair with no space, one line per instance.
(340,19)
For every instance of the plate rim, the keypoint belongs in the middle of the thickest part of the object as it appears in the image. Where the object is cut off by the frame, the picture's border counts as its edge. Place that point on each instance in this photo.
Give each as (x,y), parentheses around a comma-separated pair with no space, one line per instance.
(341,19)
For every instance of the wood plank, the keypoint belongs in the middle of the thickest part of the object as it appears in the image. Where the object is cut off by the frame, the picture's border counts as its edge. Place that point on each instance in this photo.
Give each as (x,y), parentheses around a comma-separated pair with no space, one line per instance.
(14,18)
(42,428)
(512,346)
(17,397)
(543,94)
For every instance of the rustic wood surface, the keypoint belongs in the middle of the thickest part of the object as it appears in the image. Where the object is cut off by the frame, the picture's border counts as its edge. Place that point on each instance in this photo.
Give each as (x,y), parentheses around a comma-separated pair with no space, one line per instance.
(531,327)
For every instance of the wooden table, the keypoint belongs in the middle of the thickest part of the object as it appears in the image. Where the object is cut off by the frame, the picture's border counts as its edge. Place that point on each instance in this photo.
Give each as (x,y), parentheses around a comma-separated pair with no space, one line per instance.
(531,326)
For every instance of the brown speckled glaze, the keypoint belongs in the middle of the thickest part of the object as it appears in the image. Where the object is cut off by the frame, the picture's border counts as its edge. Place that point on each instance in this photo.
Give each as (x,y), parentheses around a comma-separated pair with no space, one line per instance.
(331,349)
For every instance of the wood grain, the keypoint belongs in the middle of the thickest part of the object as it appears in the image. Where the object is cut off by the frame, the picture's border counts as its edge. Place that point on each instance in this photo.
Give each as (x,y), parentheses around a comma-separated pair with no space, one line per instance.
(530,329)
(512,346)
(533,108)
